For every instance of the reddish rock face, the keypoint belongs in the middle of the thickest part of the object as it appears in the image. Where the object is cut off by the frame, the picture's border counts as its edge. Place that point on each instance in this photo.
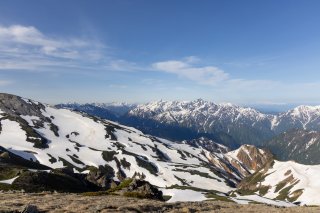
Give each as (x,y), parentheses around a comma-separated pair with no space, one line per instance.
(252,157)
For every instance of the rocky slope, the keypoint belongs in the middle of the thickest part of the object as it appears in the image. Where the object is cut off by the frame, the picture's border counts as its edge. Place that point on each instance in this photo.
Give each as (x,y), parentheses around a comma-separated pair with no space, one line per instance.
(226,123)
(299,145)
(244,125)
(102,151)
(59,138)
(287,132)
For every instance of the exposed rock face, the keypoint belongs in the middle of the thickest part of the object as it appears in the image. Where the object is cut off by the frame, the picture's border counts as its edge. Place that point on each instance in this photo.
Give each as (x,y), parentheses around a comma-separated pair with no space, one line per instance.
(9,159)
(142,188)
(101,177)
(15,105)
(50,181)
(252,157)
(30,209)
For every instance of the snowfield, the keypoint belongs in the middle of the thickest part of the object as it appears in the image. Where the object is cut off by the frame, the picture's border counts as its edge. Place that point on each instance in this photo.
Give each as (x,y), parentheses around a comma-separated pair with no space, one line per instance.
(305,177)
(83,141)
(60,137)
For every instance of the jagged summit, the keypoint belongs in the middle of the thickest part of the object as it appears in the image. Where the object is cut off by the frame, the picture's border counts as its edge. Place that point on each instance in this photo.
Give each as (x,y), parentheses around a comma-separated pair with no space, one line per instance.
(252,157)
(59,138)
(226,124)
(15,105)
(242,124)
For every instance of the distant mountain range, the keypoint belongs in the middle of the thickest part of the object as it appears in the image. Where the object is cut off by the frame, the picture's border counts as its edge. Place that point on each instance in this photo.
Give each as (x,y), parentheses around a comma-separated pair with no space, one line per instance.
(39,142)
(227,124)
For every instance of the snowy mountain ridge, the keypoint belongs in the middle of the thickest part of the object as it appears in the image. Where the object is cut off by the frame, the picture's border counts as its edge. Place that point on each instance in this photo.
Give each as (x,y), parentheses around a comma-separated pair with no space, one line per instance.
(62,138)
(59,138)
(209,117)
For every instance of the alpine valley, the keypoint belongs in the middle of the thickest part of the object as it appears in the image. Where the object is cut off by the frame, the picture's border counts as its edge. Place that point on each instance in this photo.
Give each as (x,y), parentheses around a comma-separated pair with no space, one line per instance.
(174,151)
(292,135)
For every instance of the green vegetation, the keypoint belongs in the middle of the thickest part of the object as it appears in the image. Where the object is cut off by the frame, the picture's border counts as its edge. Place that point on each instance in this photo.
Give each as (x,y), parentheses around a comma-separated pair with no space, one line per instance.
(280,185)
(143,162)
(218,197)
(183,181)
(7,187)
(136,195)
(196,172)
(166,197)
(125,183)
(284,193)
(52,159)
(99,193)
(32,136)
(7,173)
(284,182)
(54,129)
(248,184)
(295,195)
(110,132)
(246,191)
(263,190)
(192,188)
(74,159)
(161,156)
(147,165)
(125,163)
(68,164)
(108,155)
(255,178)
(119,145)
(183,157)
(141,145)
(106,169)
(256,202)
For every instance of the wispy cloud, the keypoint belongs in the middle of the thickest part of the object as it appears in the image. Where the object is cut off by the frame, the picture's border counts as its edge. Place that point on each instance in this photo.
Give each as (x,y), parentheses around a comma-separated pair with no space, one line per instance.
(27,48)
(188,68)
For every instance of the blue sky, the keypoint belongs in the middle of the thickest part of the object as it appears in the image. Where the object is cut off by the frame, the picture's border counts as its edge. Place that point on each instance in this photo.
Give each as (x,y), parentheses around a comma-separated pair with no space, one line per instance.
(248,52)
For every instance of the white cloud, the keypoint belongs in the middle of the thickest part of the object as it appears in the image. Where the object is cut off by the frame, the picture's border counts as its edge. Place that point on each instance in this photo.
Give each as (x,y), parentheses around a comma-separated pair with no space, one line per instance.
(27,48)
(187,69)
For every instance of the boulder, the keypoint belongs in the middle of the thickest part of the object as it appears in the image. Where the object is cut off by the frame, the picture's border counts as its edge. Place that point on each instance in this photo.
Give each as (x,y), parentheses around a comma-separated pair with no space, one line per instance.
(30,209)
(102,177)
(44,181)
(142,189)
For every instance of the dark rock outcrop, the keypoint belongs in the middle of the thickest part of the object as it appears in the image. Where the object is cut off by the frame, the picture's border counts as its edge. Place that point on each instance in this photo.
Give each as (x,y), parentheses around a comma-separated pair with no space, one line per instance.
(102,177)
(15,105)
(142,189)
(30,209)
(51,181)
